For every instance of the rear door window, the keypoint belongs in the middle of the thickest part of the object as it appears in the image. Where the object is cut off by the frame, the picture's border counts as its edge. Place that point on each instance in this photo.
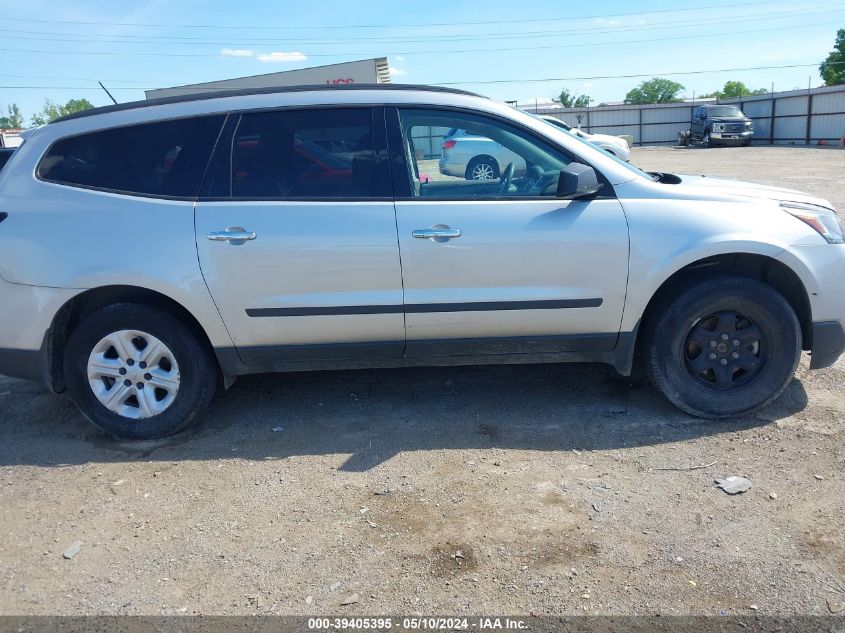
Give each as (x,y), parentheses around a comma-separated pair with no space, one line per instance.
(309,153)
(165,158)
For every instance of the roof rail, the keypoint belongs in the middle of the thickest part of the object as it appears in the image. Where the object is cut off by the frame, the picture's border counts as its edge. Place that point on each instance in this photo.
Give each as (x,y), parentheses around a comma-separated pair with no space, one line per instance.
(217,94)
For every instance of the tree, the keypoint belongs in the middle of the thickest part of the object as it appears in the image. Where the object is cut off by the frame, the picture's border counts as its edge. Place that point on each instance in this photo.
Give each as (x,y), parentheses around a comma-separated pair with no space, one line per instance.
(655,90)
(734,89)
(13,118)
(569,100)
(52,111)
(832,69)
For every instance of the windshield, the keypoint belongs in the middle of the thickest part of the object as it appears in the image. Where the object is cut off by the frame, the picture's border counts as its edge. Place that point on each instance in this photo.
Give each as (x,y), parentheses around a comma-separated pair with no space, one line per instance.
(724,111)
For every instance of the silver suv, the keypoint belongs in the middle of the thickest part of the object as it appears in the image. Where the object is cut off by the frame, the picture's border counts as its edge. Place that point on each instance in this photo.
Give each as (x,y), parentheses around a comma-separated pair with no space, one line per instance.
(151,252)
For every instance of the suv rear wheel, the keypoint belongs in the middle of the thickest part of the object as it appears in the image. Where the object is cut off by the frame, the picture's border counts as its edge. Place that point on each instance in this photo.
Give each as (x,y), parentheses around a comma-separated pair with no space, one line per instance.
(723,347)
(137,372)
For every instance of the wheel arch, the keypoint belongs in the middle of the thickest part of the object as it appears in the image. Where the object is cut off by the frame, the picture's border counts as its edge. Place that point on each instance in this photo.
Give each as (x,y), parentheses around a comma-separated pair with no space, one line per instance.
(81,305)
(763,268)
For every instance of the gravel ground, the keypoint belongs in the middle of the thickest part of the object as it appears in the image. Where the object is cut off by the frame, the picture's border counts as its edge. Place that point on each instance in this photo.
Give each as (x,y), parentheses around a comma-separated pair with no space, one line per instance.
(452,491)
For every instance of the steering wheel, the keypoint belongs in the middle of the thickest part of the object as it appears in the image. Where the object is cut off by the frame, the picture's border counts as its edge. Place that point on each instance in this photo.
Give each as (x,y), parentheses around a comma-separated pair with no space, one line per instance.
(507,176)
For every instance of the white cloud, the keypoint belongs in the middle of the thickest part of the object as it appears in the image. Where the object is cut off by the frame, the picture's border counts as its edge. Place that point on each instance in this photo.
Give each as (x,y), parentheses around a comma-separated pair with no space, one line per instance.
(237,52)
(399,58)
(397,72)
(282,56)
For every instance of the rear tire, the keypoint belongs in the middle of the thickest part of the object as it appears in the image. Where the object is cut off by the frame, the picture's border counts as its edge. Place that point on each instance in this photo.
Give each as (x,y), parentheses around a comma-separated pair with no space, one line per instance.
(137,372)
(482,168)
(683,139)
(689,359)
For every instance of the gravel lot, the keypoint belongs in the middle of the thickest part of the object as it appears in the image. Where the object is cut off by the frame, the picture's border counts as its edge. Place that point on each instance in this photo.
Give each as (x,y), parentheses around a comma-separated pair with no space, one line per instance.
(451,491)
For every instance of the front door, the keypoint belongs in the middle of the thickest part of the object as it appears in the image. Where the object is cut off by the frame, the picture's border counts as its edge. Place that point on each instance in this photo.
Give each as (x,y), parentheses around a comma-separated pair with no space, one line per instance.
(297,237)
(503,265)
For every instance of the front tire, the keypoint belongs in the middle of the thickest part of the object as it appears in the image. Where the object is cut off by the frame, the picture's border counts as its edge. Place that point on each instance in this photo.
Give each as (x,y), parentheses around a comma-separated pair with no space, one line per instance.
(137,372)
(706,141)
(724,347)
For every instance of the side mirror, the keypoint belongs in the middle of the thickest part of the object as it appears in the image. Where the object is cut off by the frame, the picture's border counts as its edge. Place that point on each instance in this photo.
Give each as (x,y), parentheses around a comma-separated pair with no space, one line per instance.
(577,181)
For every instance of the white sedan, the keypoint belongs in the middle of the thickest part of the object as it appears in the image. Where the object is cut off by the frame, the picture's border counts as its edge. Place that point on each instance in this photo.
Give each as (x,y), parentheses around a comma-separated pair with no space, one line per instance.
(613,144)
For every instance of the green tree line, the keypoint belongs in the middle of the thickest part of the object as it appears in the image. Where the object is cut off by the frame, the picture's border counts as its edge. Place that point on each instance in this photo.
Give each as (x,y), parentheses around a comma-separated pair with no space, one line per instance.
(12,116)
(662,90)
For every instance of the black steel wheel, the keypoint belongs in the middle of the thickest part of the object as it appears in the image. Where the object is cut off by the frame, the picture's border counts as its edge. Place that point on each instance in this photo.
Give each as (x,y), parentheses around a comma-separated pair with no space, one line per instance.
(724,350)
(722,346)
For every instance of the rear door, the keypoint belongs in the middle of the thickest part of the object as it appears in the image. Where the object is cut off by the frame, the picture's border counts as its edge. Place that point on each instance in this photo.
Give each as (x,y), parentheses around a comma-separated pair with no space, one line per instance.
(296,237)
(503,265)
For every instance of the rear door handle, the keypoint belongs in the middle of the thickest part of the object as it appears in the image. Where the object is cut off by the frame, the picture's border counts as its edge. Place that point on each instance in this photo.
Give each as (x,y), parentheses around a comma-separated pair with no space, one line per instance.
(233,235)
(435,232)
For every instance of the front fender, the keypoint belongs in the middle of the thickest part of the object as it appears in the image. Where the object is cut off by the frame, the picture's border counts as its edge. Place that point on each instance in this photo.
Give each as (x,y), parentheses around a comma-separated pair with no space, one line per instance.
(646,280)
(670,234)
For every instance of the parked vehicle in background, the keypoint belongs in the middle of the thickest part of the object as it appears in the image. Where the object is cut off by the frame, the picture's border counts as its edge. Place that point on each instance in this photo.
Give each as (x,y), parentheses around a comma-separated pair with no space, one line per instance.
(5,155)
(140,281)
(612,144)
(476,157)
(715,124)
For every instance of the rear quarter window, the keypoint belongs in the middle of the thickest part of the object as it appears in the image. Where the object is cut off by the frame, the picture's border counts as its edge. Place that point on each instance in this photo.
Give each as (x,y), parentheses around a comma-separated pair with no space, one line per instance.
(165,158)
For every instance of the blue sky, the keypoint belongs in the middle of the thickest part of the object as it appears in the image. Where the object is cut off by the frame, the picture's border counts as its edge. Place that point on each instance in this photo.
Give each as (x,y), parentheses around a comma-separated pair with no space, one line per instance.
(131,46)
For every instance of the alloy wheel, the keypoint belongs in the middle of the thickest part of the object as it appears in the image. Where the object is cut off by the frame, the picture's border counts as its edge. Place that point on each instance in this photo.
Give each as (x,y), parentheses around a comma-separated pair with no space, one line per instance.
(483,171)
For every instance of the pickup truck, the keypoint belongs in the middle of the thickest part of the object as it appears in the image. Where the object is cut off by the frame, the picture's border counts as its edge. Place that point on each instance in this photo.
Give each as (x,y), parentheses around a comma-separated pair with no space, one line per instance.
(715,124)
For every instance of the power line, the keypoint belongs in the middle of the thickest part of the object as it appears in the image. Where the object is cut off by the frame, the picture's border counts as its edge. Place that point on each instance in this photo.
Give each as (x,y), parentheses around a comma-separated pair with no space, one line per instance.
(183,40)
(379,26)
(635,76)
(506,81)
(432,52)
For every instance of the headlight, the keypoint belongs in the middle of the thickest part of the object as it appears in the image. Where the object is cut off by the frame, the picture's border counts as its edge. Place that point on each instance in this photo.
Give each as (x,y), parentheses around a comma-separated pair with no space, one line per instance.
(826,222)
(718,127)
(749,125)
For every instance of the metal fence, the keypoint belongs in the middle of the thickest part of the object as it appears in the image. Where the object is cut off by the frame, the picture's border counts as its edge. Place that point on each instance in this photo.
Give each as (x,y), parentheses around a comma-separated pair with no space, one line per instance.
(797,117)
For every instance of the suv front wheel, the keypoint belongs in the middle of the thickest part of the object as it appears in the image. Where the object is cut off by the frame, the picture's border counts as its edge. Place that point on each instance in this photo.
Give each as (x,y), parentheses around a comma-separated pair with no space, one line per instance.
(137,372)
(723,347)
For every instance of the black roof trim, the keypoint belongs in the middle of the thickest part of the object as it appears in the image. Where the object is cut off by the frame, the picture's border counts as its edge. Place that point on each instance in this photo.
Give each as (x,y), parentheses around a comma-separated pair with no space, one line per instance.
(131,105)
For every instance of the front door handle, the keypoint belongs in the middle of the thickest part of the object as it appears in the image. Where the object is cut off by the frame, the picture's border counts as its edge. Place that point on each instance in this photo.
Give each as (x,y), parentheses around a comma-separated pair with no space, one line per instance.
(437,231)
(233,235)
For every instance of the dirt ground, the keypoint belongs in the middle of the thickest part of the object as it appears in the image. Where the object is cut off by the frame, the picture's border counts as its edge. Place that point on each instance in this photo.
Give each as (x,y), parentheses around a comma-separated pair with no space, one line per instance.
(448,491)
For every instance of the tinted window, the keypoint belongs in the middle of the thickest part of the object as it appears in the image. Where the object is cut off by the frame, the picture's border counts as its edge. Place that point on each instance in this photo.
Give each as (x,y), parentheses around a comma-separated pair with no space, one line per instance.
(725,111)
(481,158)
(166,158)
(314,153)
